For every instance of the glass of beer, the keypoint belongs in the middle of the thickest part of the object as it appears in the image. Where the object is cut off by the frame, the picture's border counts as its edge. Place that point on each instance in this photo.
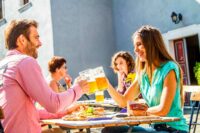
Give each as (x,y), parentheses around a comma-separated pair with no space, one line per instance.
(100,78)
(99,96)
(89,76)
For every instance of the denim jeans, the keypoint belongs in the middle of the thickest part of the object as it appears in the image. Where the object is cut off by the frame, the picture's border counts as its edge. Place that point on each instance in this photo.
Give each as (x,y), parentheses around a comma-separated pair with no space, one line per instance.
(139,129)
(164,127)
(129,129)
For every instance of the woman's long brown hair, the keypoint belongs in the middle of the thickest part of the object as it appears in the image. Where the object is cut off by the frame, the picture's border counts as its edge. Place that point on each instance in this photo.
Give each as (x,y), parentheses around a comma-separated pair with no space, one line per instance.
(155,50)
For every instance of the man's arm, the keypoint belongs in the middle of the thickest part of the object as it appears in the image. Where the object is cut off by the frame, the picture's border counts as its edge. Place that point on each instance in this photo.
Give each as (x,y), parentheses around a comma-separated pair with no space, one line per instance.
(31,80)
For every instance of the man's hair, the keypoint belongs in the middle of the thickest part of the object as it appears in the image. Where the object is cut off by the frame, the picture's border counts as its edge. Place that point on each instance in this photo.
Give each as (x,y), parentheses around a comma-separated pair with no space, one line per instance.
(56,62)
(17,28)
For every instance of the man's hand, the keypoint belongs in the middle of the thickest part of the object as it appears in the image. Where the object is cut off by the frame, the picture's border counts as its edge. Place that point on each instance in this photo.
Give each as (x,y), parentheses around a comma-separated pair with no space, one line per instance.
(75,108)
(84,85)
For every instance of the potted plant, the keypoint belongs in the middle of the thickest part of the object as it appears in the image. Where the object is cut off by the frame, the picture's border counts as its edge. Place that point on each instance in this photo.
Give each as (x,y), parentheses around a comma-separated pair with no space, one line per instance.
(197,72)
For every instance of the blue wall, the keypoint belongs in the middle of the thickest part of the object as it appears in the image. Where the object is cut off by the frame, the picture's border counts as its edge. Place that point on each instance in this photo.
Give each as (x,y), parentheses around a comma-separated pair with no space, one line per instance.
(83,33)
(89,32)
(129,15)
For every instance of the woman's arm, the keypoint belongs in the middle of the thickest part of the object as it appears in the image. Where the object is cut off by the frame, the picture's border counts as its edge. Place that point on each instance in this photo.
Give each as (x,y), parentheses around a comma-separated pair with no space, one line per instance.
(132,93)
(120,77)
(68,80)
(167,97)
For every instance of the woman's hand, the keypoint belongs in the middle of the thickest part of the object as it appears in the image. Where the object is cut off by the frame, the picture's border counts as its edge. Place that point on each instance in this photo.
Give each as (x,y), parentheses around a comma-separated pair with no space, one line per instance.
(137,109)
(68,80)
(120,76)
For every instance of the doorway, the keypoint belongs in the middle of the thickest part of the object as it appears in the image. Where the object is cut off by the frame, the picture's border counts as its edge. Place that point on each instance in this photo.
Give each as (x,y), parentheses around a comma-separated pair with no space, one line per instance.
(193,55)
(187,53)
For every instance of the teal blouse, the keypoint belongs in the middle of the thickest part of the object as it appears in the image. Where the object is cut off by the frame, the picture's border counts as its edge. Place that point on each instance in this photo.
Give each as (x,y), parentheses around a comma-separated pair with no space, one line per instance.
(152,93)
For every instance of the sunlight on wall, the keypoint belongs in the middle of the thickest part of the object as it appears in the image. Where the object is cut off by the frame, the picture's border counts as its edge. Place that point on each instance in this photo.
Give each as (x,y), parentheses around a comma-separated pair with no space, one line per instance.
(198,1)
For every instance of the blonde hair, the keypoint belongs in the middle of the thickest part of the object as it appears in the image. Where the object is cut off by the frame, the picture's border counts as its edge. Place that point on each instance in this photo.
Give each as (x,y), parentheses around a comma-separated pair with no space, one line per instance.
(155,50)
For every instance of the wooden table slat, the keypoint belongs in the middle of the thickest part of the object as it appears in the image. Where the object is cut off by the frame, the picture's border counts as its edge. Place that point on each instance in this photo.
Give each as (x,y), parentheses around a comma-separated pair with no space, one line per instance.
(108,123)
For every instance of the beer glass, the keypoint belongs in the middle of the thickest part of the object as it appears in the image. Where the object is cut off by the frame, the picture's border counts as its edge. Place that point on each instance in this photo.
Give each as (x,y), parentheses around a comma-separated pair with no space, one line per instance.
(99,96)
(100,78)
(89,76)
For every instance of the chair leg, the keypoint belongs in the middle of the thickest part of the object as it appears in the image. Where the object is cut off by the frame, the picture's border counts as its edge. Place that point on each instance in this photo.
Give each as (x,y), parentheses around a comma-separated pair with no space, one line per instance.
(49,126)
(88,130)
(1,128)
(195,123)
(191,116)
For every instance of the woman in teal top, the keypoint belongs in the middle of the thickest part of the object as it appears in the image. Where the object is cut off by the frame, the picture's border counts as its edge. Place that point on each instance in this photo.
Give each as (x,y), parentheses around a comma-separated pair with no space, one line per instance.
(158,78)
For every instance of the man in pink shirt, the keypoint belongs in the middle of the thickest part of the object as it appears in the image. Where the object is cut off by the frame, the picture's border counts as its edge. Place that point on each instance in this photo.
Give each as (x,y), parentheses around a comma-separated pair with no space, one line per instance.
(22,82)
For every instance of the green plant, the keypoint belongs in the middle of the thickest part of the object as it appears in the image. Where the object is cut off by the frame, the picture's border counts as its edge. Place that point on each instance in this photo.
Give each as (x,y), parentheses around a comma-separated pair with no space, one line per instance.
(197,72)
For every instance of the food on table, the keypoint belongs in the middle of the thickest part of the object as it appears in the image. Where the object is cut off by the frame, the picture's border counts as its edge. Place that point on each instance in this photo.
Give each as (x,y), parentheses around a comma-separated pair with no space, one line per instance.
(85,113)
(136,109)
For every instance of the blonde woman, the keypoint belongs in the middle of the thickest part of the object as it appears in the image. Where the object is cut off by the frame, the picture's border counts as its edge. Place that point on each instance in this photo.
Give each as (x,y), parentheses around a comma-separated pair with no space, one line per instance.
(159,79)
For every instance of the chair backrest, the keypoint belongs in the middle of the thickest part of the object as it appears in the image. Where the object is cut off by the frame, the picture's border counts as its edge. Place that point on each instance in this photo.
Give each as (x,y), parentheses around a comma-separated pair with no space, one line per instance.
(195,91)
(1,113)
(1,117)
(191,88)
(195,96)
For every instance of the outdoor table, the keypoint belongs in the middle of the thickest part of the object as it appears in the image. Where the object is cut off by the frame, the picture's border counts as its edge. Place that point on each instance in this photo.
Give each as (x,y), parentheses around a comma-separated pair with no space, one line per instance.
(131,121)
(108,104)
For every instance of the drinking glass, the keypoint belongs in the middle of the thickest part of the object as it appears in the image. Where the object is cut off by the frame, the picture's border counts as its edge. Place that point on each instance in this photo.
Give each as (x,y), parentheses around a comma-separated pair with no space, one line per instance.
(100,78)
(89,76)
(99,96)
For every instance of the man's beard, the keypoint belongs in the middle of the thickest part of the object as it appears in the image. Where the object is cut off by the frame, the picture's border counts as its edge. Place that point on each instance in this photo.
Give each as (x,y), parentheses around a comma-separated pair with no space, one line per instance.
(31,50)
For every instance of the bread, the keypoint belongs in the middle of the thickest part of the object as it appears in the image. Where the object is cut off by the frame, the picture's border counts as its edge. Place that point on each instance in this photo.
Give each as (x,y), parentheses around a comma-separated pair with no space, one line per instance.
(136,109)
(87,113)
(138,106)
(98,111)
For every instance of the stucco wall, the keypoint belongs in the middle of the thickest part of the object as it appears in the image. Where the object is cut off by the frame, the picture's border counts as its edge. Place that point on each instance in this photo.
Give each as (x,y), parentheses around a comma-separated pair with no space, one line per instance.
(40,11)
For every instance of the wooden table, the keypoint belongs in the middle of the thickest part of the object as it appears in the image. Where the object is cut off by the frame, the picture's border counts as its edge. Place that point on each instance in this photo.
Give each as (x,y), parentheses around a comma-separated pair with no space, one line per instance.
(134,120)
(108,104)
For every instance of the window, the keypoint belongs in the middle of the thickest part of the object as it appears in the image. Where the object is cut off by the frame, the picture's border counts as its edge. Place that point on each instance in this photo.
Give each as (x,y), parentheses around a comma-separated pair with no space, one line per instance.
(2,15)
(24,2)
(24,5)
(1,9)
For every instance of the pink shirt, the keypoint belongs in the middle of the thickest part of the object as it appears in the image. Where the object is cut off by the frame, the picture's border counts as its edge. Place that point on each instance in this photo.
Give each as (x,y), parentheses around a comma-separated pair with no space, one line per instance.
(22,83)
